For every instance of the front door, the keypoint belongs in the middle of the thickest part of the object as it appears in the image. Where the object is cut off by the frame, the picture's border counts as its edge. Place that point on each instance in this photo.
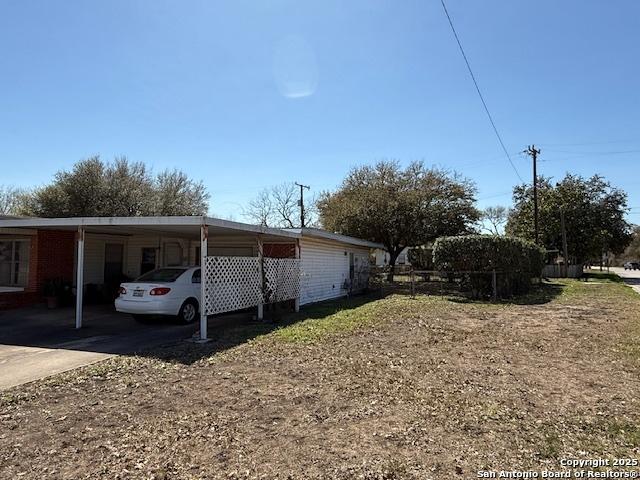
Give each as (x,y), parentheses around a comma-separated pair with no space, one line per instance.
(113,254)
(148,260)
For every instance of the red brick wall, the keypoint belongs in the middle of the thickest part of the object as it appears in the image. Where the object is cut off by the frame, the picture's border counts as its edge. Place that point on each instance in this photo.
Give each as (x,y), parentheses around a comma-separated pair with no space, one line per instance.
(54,257)
(51,256)
(279,250)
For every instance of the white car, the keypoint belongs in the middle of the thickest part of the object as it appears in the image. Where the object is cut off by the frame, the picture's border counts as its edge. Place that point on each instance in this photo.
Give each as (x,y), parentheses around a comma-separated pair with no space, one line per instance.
(165,291)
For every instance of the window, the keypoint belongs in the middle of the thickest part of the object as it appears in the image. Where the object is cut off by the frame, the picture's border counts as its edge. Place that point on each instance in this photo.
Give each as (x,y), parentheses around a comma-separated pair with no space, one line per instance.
(148,260)
(197,277)
(14,263)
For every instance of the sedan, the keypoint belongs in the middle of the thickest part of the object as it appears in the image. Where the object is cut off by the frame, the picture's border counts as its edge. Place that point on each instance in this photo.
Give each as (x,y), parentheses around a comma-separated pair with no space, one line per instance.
(632,266)
(171,291)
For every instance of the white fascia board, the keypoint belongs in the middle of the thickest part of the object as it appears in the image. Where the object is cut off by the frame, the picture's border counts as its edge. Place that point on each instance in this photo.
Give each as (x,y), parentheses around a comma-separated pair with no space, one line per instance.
(175,221)
(337,237)
(245,227)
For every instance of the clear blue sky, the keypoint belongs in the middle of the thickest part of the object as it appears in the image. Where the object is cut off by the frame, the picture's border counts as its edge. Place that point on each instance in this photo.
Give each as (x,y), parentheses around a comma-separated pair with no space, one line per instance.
(246,94)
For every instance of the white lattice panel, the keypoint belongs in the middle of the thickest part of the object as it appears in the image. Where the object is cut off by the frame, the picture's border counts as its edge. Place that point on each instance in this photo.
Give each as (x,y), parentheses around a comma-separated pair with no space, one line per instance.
(282,279)
(231,283)
(360,277)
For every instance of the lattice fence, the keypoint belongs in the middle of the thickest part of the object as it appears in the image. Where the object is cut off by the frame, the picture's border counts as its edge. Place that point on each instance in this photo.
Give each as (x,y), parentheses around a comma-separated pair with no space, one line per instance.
(282,277)
(231,283)
(234,283)
(361,277)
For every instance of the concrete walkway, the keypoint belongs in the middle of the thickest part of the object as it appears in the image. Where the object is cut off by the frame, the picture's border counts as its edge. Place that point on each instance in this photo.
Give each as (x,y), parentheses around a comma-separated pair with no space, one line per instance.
(36,342)
(630,277)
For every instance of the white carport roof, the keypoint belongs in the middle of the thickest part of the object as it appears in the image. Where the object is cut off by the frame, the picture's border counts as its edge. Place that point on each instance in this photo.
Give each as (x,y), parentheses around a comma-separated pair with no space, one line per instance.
(178,225)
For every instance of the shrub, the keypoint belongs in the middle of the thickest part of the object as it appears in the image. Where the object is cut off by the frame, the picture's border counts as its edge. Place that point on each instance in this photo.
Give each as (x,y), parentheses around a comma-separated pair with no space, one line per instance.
(421,258)
(516,262)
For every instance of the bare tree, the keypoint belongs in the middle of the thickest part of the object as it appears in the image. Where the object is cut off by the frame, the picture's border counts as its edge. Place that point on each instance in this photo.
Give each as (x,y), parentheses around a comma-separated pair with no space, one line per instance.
(260,209)
(11,199)
(277,206)
(285,204)
(493,219)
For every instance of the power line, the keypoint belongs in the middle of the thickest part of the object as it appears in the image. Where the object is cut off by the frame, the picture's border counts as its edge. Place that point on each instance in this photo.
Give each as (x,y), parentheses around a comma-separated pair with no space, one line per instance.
(495,195)
(588,143)
(484,104)
(583,154)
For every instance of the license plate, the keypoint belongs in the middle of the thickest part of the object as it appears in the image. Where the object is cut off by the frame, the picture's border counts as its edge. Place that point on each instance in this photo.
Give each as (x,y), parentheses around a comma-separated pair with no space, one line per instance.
(138,293)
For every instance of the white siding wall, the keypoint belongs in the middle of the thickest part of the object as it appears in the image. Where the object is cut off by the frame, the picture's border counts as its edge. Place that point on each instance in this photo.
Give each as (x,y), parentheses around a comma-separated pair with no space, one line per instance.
(94,255)
(133,254)
(325,268)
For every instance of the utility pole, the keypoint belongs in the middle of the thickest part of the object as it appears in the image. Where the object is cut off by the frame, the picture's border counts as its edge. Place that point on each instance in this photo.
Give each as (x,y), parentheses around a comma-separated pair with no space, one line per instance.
(531,150)
(301,202)
(565,249)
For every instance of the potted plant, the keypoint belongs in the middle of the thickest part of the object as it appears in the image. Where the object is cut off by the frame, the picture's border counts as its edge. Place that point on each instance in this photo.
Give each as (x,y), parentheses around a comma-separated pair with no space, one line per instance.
(53,291)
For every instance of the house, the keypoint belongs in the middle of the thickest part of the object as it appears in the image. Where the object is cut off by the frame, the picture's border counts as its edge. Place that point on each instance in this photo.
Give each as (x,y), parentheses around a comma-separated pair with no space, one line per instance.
(381,257)
(97,253)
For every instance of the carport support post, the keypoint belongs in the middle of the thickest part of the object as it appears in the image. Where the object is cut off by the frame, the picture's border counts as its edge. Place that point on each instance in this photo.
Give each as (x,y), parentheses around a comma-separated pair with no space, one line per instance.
(204,237)
(296,304)
(261,273)
(79,277)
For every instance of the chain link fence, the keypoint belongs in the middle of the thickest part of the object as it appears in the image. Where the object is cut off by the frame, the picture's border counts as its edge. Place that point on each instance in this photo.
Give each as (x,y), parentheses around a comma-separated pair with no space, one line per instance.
(487,285)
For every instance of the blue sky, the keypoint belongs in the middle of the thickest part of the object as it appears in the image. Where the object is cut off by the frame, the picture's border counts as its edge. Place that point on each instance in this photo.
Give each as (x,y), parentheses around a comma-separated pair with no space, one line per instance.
(248,94)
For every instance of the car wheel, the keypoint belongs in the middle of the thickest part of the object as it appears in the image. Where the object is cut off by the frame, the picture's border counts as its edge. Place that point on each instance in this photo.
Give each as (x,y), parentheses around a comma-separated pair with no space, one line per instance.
(188,312)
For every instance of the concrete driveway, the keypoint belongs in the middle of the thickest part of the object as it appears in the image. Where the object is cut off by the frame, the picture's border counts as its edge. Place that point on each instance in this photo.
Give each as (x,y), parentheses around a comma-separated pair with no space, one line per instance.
(36,342)
(630,277)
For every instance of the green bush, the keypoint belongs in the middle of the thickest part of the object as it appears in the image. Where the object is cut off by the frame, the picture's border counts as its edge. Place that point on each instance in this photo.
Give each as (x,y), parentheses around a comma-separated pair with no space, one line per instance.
(421,258)
(516,262)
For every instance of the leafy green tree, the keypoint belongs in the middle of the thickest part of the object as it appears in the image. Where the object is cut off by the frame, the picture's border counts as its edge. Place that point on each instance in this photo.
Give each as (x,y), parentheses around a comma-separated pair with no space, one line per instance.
(94,188)
(399,207)
(632,252)
(594,216)
(176,194)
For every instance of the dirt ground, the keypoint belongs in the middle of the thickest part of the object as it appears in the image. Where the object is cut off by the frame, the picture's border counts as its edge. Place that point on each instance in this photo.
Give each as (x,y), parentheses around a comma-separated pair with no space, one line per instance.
(431,387)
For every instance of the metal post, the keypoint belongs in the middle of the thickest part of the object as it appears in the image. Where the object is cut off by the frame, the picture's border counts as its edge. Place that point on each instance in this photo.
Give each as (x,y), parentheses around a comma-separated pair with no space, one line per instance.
(79,277)
(296,306)
(204,237)
(261,274)
(413,284)
(565,249)
(494,282)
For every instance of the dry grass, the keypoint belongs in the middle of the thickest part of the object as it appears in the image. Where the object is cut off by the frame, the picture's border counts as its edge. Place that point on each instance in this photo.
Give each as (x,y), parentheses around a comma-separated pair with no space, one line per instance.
(396,388)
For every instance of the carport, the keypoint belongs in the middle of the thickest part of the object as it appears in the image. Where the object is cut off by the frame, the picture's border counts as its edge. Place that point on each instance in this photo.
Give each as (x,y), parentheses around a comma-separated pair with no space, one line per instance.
(231,254)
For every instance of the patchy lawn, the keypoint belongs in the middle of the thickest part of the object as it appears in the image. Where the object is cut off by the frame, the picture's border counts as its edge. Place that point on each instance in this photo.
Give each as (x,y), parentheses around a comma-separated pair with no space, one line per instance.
(394,388)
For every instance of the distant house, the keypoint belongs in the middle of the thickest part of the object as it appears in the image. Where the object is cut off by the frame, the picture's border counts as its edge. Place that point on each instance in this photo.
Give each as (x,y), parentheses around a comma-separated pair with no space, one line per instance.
(381,257)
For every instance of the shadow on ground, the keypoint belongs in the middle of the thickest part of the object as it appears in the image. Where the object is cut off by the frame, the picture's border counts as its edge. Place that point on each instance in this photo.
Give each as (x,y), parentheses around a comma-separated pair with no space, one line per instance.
(542,293)
(231,334)
(24,333)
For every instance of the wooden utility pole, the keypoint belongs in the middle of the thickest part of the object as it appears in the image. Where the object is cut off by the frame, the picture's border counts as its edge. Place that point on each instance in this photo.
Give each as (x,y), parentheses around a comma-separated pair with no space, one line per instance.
(565,249)
(301,202)
(531,150)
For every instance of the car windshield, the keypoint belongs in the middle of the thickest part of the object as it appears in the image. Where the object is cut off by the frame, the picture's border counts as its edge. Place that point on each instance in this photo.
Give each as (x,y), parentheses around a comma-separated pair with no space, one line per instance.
(162,275)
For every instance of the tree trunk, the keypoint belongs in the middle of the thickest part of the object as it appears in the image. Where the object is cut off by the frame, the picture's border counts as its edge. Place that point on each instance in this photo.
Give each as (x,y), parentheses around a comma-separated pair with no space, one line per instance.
(393,256)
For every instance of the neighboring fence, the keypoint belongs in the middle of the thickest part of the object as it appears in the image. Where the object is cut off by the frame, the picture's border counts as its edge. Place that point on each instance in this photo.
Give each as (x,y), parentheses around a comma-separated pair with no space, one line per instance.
(470,283)
(236,283)
(557,271)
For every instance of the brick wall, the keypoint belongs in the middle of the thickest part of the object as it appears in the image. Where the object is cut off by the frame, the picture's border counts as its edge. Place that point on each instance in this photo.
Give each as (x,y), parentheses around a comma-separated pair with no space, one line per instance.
(279,250)
(51,256)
